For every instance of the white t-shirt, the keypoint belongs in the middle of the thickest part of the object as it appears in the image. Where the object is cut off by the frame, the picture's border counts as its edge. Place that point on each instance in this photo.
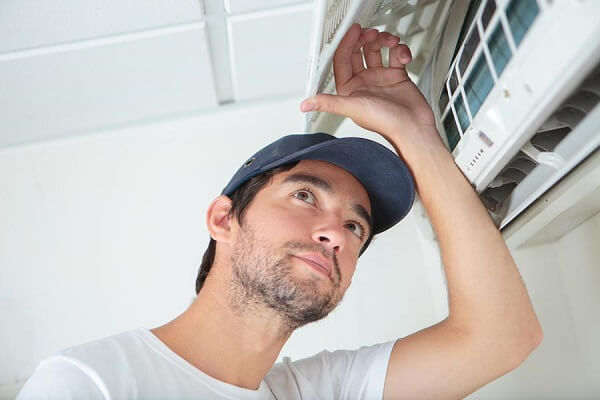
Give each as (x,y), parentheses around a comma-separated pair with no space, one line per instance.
(137,365)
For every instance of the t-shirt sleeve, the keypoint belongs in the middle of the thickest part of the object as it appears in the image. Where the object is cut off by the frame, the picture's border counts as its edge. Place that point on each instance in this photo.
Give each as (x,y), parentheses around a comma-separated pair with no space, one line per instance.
(60,377)
(341,374)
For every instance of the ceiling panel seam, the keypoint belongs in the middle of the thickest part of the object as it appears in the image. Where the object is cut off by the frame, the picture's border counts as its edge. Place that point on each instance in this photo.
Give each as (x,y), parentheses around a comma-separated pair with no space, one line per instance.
(102,41)
(218,44)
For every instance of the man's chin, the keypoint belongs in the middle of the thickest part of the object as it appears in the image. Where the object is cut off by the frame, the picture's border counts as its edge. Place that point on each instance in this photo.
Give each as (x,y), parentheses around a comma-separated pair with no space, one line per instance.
(315,300)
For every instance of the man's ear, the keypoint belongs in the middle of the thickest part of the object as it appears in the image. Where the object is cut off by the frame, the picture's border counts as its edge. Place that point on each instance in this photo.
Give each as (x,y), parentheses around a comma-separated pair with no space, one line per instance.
(218,220)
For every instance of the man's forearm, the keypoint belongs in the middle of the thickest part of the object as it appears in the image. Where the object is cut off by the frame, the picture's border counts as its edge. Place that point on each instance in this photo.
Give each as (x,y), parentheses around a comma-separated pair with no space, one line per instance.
(486,293)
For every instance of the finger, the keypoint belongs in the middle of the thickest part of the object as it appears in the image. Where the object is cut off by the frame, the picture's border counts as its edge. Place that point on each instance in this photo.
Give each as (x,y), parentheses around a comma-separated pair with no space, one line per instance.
(372,49)
(343,58)
(358,63)
(330,103)
(400,56)
(306,105)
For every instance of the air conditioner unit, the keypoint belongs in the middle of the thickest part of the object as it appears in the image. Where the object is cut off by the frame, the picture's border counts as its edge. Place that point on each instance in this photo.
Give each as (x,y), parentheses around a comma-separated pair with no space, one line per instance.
(514,85)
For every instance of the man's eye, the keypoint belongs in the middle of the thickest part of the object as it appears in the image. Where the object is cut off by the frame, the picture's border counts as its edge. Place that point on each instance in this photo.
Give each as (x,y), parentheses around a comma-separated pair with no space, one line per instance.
(355,228)
(305,195)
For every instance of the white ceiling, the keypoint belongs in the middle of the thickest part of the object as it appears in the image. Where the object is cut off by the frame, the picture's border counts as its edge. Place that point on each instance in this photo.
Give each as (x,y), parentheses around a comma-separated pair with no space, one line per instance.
(68,67)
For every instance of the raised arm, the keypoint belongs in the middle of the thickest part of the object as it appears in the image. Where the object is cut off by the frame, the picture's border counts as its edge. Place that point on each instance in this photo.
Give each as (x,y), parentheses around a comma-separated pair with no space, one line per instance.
(491,327)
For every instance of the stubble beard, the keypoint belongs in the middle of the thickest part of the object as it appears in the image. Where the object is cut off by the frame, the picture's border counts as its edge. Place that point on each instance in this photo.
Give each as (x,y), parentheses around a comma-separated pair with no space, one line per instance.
(263,277)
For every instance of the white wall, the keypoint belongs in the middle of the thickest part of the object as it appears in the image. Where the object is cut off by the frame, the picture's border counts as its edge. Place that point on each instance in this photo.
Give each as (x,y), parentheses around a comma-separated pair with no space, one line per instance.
(105,232)
(562,278)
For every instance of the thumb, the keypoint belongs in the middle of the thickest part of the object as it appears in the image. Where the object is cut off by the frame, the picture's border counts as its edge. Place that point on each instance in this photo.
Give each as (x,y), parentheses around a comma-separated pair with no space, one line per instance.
(329,103)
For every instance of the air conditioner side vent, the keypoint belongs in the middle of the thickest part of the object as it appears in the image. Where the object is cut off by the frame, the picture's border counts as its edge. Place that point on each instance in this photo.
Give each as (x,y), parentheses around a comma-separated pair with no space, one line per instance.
(505,182)
(543,148)
(569,114)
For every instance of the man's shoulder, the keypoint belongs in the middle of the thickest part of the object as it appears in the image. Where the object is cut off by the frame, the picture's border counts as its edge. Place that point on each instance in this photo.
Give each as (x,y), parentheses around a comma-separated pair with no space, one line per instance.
(85,370)
(122,360)
(60,377)
(334,373)
(327,359)
(111,349)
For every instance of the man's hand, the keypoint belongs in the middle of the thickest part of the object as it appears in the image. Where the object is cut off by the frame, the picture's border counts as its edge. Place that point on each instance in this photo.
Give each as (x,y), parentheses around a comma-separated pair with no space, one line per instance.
(377,98)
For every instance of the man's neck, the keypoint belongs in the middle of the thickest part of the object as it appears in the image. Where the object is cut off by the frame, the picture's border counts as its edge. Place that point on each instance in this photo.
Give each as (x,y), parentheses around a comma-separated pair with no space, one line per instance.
(234,346)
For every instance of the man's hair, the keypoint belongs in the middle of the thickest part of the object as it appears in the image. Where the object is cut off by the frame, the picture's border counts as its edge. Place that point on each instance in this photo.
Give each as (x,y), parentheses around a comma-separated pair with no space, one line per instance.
(240,200)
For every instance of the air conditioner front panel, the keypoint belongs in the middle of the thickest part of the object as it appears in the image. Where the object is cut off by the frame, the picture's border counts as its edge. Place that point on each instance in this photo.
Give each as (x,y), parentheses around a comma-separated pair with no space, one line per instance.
(531,85)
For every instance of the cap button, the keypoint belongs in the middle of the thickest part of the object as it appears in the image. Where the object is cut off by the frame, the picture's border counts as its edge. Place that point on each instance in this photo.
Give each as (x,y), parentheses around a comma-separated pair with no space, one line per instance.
(249,162)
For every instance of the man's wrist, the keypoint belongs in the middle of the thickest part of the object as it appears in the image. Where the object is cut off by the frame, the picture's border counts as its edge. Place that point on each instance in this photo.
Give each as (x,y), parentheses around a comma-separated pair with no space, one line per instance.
(416,143)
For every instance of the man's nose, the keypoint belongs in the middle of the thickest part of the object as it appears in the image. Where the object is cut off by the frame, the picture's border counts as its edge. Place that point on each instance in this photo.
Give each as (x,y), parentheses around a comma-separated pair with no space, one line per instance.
(330,233)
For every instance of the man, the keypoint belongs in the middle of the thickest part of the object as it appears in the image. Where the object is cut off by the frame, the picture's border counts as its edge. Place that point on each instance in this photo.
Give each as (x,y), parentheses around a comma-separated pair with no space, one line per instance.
(286,235)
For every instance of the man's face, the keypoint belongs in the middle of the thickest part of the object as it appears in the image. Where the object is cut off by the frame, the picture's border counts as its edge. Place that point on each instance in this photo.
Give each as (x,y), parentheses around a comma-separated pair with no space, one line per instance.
(297,248)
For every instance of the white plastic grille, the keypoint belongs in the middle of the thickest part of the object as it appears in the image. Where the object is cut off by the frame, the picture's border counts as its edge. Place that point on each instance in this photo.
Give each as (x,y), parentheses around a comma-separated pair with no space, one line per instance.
(417,22)
(488,45)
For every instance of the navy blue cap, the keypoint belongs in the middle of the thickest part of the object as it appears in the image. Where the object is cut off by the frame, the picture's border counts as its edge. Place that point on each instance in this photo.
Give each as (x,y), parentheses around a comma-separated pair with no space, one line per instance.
(384,175)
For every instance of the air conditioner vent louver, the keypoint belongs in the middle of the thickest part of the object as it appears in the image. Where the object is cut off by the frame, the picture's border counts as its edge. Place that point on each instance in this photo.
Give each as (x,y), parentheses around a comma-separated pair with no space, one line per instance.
(568,115)
(503,185)
(542,145)
(548,140)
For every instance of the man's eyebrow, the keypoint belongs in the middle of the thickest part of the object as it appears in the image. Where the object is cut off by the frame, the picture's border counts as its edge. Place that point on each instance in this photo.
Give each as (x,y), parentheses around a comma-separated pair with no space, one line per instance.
(314,180)
(326,186)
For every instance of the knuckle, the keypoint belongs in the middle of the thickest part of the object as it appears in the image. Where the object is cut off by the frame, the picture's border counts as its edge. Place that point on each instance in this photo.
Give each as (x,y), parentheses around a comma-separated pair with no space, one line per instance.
(329,107)
(326,105)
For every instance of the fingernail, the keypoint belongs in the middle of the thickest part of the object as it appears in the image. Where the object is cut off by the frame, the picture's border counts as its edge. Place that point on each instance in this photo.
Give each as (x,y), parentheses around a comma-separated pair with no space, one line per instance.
(304,107)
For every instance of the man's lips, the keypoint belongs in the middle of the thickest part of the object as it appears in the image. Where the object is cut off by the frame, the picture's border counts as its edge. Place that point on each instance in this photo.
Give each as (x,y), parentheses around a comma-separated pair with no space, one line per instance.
(316,261)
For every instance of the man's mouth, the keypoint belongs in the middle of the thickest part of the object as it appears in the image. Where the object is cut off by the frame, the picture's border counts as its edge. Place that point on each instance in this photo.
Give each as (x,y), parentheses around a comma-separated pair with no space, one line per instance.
(317,262)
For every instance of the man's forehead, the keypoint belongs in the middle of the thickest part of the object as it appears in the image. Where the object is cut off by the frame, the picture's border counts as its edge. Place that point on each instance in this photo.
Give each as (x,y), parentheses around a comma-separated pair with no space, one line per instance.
(320,166)
(323,169)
